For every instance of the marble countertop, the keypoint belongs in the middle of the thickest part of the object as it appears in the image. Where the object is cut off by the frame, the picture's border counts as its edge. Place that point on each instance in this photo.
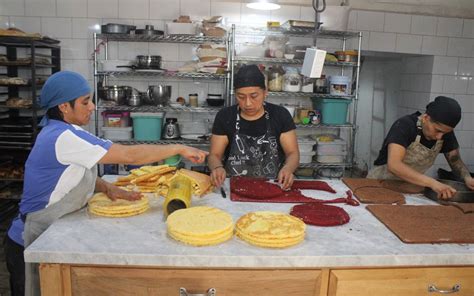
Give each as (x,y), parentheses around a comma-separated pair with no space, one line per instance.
(80,238)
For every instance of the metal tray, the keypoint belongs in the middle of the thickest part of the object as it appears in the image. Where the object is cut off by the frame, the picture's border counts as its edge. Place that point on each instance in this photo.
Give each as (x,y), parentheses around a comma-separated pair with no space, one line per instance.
(463,194)
(301,24)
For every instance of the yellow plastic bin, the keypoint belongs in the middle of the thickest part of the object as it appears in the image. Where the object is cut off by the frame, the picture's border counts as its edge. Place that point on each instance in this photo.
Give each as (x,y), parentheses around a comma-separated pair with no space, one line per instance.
(333,111)
(147,126)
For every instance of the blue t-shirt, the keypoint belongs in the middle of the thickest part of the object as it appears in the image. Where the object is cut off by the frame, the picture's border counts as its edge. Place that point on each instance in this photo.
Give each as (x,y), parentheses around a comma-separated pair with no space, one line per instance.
(57,163)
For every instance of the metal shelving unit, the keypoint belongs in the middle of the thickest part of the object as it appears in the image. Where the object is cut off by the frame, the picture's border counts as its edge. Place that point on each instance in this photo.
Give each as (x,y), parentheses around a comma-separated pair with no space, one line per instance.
(144,74)
(316,35)
(19,130)
(164,74)
(192,39)
(158,109)
(306,94)
(289,61)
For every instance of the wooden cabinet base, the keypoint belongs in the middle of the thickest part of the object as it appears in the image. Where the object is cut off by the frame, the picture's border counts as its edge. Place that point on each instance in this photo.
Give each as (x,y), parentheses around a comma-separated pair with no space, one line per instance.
(401,281)
(64,280)
(117,281)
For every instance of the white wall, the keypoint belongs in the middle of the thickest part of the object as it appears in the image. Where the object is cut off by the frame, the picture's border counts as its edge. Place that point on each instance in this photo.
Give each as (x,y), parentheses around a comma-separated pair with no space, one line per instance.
(379,93)
(444,66)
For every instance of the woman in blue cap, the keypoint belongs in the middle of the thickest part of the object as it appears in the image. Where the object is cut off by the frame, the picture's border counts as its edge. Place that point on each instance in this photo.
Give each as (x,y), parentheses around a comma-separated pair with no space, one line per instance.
(414,142)
(61,170)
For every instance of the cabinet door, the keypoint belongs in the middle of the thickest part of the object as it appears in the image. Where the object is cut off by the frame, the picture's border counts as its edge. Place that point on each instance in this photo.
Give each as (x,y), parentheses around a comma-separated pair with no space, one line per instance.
(400,281)
(141,281)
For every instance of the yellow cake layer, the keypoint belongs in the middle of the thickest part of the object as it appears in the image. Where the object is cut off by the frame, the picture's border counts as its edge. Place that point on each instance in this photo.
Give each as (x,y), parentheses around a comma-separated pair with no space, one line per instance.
(199,221)
(270,225)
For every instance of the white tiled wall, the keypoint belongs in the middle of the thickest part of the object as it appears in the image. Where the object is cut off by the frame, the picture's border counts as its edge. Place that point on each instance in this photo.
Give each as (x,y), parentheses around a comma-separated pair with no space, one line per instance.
(445,66)
(448,43)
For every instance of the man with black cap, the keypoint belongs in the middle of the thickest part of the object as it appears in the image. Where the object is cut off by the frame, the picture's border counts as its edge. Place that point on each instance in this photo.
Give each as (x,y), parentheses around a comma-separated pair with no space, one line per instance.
(253,138)
(413,143)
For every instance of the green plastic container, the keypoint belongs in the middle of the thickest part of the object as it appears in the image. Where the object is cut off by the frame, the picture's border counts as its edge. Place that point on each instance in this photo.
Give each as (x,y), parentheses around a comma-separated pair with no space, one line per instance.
(147,126)
(333,111)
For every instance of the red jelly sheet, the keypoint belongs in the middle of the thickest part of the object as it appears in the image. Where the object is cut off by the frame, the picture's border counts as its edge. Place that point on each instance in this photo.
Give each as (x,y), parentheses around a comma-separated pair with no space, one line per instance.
(260,190)
(320,214)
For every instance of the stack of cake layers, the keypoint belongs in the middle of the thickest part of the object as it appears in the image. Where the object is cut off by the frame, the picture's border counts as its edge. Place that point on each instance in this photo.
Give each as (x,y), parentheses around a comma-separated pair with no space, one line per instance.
(270,229)
(200,226)
(101,205)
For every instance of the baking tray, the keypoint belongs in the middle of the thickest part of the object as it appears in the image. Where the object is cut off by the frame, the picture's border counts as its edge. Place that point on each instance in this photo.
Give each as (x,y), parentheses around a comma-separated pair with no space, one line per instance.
(463,194)
(300,24)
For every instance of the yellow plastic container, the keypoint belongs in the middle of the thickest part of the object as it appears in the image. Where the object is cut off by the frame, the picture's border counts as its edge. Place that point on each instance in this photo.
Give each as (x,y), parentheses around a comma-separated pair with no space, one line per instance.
(179,195)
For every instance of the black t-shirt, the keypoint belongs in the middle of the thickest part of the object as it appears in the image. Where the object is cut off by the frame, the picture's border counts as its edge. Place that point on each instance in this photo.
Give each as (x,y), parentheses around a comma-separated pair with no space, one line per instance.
(280,122)
(404,132)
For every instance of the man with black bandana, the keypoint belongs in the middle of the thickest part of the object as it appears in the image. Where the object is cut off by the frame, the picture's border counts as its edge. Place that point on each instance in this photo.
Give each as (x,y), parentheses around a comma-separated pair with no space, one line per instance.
(253,138)
(413,143)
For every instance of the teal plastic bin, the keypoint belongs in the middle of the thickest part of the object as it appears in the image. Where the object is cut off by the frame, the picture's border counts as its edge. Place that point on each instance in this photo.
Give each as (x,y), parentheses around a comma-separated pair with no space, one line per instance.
(333,111)
(147,126)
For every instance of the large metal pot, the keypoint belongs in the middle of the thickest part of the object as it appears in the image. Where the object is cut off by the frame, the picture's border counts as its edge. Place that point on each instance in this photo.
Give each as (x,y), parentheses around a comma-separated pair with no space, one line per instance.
(159,94)
(149,61)
(115,93)
(116,29)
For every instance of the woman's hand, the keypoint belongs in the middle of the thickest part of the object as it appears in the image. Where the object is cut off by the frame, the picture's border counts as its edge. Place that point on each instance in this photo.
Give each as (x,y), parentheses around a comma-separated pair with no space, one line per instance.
(285,178)
(218,176)
(114,193)
(193,154)
(444,191)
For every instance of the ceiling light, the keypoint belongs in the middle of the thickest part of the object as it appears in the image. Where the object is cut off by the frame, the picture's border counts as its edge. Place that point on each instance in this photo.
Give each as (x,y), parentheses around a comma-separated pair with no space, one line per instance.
(263,4)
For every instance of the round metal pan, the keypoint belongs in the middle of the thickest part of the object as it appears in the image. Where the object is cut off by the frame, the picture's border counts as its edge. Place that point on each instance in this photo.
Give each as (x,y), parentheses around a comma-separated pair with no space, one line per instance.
(116,29)
(463,194)
(149,32)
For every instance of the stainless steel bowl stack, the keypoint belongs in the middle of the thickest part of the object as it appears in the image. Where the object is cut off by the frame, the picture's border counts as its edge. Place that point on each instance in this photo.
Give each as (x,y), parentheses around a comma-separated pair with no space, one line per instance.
(115,93)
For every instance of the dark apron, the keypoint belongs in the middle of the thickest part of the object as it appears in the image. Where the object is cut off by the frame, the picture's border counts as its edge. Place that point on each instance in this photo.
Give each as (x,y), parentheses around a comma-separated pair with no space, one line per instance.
(418,157)
(37,222)
(253,156)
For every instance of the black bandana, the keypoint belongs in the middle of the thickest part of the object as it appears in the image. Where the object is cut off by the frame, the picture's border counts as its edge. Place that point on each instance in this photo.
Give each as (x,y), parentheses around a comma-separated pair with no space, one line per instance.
(248,76)
(444,110)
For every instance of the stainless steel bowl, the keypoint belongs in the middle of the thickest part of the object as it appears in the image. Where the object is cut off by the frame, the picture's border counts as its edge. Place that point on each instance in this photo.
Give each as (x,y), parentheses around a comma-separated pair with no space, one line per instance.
(134,100)
(115,93)
(159,94)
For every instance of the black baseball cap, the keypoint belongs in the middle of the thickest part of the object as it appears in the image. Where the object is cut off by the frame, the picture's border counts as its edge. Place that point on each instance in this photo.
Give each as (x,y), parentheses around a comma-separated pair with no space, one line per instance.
(248,76)
(444,110)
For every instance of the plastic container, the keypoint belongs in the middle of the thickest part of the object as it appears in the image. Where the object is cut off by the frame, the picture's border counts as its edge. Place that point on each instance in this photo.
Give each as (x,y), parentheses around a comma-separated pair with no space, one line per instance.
(336,147)
(116,119)
(333,111)
(117,133)
(307,157)
(339,85)
(306,144)
(147,126)
(275,78)
(181,28)
(291,80)
(330,158)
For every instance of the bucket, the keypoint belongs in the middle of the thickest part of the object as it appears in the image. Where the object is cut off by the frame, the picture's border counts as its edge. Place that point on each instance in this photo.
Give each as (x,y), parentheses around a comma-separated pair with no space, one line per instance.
(335,18)
(147,126)
(333,111)
(339,85)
